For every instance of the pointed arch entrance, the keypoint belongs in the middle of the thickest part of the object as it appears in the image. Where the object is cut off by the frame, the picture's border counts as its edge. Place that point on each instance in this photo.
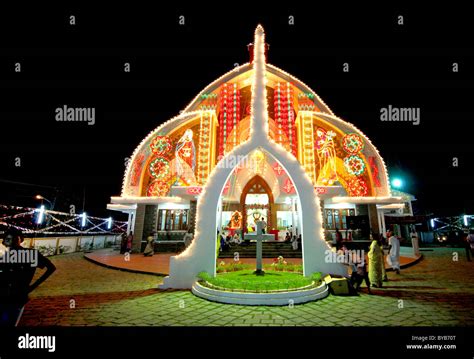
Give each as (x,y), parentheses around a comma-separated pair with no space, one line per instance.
(258,186)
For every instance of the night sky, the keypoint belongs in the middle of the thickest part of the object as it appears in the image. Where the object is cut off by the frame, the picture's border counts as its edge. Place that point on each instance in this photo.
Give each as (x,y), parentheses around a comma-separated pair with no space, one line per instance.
(82,65)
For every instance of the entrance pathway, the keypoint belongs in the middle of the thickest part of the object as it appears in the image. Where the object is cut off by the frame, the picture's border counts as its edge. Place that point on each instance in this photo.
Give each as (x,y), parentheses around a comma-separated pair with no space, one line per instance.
(159,263)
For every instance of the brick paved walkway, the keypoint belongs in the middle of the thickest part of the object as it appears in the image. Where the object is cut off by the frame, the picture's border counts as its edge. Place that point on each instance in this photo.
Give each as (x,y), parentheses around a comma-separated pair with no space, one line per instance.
(437,291)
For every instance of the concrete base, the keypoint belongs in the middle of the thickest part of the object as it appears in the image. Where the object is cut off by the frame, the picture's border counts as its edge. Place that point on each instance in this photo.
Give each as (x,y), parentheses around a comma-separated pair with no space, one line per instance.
(273,298)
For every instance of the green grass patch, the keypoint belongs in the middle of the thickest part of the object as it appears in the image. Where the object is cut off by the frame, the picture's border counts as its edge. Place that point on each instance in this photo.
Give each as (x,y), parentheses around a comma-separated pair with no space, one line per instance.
(246,280)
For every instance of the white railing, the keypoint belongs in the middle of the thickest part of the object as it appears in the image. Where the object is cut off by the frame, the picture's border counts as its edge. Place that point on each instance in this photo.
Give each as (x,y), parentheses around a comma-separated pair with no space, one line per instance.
(49,246)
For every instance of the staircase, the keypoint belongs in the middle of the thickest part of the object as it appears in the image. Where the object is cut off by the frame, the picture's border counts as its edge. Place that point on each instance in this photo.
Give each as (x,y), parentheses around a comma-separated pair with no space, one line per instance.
(269,250)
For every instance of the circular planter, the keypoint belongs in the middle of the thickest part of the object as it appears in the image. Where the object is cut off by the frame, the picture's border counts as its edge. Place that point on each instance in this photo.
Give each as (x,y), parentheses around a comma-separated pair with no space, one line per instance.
(295,296)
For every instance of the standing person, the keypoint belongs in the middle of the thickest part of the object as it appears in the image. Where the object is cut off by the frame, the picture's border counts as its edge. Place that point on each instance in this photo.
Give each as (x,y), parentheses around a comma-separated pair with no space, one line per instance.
(264,225)
(394,254)
(223,245)
(470,245)
(16,277)
(375,263)
(123,243)
(150,243)
(129,242)
(338,239)
(415,242)
(188,238)
(294,243)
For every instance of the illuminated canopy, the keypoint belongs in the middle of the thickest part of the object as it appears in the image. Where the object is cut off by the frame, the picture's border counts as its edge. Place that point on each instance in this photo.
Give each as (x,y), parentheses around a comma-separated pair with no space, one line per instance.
(183,151)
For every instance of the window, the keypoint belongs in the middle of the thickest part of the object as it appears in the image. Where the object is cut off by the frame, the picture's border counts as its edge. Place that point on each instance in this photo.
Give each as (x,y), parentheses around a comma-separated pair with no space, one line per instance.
(329,220)
(337,218)
(173,219)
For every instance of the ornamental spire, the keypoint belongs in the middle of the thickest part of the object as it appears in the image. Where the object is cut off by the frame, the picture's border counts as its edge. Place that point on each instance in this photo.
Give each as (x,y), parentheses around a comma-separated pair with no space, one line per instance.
(259,106)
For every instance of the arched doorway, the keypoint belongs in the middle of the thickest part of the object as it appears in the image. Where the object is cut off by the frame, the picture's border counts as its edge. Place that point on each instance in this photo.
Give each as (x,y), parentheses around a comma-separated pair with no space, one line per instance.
(257,197)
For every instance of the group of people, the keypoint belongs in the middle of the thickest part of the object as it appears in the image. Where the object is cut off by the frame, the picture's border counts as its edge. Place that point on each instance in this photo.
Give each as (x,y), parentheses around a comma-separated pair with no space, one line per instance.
(17,269)
(126,243)
(227,241)
(376,274)
(376,256)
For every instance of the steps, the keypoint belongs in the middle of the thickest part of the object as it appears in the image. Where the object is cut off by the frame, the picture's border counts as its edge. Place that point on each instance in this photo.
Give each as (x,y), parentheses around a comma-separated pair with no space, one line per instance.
(269,250)
(168,247)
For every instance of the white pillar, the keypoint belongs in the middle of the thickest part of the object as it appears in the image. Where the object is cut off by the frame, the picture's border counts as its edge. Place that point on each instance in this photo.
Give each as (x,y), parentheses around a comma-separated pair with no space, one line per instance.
(379,218)
(131,222)
(219,215)
(382,220)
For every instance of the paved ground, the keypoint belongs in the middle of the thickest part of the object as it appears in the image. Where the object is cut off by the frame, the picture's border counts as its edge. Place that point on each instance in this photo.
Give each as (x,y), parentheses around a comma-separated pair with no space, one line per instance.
(437,291)
(159,263)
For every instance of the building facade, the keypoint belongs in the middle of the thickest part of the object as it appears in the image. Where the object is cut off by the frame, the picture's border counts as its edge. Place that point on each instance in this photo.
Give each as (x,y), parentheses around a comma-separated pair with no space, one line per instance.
(170,168)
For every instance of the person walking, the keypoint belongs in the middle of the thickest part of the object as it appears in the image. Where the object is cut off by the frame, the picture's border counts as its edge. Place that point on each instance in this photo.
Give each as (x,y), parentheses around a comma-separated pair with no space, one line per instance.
(394,253)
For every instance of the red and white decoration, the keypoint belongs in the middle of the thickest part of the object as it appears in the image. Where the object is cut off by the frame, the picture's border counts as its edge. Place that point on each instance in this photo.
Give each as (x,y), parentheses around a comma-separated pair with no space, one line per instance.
(229,116)
(284,115)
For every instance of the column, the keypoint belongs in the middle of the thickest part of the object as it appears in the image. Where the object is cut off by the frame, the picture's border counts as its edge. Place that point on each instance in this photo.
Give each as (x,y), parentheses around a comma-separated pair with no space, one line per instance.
(294,216)
(138,228)
(192,215)
(130,222)
(373,218)
(382,226)
(149,224)
(274,221)
(145,222)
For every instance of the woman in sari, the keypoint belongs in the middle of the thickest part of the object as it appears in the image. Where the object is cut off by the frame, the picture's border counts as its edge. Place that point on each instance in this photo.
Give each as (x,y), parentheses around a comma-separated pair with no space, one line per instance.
(375,264)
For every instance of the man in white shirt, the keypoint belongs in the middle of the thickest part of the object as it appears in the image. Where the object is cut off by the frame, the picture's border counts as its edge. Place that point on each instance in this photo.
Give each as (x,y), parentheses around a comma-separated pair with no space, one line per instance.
(415,243)
(393,257)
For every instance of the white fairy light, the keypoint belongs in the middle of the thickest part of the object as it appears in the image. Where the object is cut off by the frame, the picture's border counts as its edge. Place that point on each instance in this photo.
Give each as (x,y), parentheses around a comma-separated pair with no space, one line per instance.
(40,215)
(83,219)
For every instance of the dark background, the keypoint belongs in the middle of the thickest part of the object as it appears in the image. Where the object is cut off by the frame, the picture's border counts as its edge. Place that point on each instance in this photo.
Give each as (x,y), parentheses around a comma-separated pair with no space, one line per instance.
(82,65)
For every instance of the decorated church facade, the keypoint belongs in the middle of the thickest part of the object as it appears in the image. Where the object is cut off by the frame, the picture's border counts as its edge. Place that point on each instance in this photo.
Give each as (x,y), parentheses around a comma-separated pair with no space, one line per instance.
(176,165)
